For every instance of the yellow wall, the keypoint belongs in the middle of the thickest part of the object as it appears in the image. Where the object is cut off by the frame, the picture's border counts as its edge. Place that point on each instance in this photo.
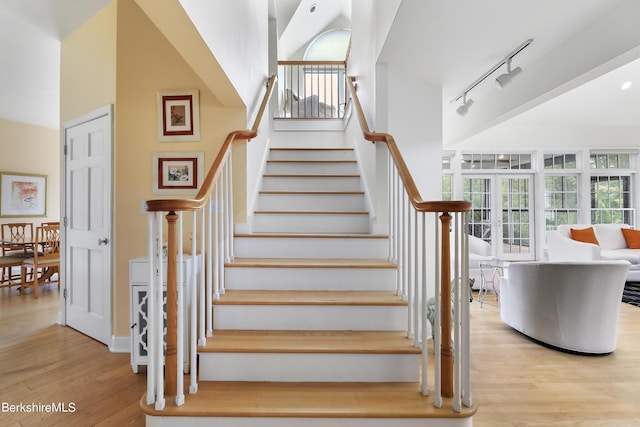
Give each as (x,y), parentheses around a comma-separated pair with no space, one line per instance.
(88,66)
(146,63)
(121,58)
(35,150)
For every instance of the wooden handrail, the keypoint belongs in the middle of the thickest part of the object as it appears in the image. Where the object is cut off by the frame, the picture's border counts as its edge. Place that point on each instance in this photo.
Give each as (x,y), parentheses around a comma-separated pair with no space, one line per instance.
(165,205)
(444,207)
(409,184)
(171,206)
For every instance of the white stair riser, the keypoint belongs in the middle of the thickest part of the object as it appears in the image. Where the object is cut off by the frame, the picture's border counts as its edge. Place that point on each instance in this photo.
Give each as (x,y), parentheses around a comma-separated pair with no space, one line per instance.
(310,279)
(308,367)
(303,183)
(310,317)
(312,202)
(312,155)
(313,167)
(314,247)
(311,223)
(152,421)
(303,138)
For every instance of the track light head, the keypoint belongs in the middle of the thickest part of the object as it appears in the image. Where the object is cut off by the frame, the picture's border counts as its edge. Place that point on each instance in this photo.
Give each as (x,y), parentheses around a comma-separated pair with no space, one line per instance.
(464,108)
(504,79)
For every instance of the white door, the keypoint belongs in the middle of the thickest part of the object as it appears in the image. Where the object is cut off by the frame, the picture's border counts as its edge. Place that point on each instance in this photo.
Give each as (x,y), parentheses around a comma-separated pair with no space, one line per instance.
(87,218)
(502,213)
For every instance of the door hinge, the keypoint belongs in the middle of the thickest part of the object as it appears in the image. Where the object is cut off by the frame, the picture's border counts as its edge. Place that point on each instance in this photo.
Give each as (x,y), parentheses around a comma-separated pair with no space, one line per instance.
(64,293)
(64,221)
(65,149)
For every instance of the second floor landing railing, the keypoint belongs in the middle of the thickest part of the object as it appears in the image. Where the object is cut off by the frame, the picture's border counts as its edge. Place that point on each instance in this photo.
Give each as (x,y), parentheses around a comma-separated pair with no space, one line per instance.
(312,89)
(211,233)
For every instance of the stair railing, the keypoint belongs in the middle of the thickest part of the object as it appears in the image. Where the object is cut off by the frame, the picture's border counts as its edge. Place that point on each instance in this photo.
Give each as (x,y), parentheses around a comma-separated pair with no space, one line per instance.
(211,234)
(408,235)
(312,89)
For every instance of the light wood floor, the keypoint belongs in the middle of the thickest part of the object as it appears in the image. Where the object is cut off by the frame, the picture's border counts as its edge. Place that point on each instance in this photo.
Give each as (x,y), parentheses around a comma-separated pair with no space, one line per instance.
(516,382)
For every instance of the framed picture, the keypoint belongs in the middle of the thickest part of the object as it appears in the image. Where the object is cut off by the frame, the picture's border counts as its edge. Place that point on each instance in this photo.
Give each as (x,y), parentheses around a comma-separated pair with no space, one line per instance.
(178,115)
(175,172)
(22,195)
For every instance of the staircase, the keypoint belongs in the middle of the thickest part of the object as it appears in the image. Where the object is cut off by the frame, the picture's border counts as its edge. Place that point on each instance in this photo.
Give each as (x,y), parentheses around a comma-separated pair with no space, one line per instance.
(310,330)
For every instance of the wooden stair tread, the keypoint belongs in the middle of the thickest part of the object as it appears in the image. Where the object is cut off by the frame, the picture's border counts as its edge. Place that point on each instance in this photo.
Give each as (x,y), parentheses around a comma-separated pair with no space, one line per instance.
(304,212)
(311,192)
(311,175)
(313,400)
(323,161)
(311,148)
(354,342)
(261,297)
(310,263)
(311,236)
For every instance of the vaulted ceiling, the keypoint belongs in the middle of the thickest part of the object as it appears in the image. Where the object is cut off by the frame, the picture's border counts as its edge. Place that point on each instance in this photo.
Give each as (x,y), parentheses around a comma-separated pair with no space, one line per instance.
(458,42)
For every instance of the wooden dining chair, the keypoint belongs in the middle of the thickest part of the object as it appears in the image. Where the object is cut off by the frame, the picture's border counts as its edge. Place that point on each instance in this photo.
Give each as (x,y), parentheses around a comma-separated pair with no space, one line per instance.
(45,263)
(16,244)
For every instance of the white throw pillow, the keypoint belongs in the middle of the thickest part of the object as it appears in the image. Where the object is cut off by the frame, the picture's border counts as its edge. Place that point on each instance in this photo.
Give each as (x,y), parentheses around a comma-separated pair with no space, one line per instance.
(610,236)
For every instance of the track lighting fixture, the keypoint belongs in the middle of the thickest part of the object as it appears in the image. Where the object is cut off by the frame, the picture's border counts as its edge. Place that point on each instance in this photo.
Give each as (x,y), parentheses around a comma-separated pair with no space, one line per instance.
(504,79)
(501,80)
(464,108)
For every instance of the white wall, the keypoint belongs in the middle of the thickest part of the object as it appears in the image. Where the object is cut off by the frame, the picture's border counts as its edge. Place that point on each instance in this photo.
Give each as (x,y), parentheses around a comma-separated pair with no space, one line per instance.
(237,34)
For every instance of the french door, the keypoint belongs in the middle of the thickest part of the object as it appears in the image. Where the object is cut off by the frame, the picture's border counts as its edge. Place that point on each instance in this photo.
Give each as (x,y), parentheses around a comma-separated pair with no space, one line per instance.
(502,213)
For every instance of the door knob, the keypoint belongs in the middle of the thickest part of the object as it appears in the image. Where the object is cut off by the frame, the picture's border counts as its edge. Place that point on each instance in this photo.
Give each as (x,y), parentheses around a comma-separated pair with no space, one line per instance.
(103,241)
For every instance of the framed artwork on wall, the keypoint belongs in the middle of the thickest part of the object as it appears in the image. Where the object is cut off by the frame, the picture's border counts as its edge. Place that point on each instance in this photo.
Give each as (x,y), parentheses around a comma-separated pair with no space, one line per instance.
(178,115)
(177,172)
(23,195)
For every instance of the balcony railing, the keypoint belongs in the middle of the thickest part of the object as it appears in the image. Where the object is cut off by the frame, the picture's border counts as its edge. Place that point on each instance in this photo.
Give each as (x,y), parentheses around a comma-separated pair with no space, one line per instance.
(312,89)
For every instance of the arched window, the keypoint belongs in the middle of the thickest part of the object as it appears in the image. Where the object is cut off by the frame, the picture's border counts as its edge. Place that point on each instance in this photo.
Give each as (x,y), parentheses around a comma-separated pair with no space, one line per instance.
(331,45)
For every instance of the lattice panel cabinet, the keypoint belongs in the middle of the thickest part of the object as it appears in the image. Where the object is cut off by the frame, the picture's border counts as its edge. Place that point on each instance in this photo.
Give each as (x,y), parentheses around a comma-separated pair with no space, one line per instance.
(139,284)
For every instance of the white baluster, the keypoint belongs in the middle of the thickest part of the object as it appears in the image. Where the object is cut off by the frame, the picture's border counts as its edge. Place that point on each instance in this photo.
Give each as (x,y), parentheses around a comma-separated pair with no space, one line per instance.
(180,320)
(193,315)
(425,330)
(157,322)
(411,311)
(212,259)
(205,229)
(457,303)
(437,399)
(230,207)
(466,318)
(151,385)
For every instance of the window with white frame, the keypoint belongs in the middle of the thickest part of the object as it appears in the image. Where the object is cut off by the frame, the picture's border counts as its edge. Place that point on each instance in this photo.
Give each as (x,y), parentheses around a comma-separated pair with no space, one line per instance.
(447,179)
(496,161)
(610,188)
(560,190)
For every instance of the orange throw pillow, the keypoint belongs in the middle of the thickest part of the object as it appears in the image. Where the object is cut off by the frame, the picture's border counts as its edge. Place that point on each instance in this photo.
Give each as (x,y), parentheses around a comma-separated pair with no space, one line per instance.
(632,237)
(586,235)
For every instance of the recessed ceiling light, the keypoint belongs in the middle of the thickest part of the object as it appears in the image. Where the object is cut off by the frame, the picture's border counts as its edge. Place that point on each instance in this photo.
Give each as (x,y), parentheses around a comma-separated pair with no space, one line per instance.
(313,8)
(626,85)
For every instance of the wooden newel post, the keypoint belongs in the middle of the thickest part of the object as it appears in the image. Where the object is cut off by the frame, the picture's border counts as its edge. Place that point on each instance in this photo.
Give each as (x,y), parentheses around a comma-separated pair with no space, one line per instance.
(171,354)
(446,345)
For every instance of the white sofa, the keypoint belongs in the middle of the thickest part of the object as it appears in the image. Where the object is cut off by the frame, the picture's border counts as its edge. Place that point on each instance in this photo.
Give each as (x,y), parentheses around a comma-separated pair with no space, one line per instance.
(570,305)
(612,246)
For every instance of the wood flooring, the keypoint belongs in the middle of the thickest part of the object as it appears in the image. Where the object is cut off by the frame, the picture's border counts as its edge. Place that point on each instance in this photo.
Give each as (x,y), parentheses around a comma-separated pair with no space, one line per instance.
(516,382)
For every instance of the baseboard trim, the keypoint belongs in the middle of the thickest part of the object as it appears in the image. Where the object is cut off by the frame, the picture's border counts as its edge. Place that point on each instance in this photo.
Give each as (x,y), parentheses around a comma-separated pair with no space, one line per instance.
(120,344)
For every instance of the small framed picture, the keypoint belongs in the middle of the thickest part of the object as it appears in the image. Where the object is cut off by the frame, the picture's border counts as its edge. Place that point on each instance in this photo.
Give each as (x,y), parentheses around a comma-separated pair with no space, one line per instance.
(22,195)
(177,173)
(178,115)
